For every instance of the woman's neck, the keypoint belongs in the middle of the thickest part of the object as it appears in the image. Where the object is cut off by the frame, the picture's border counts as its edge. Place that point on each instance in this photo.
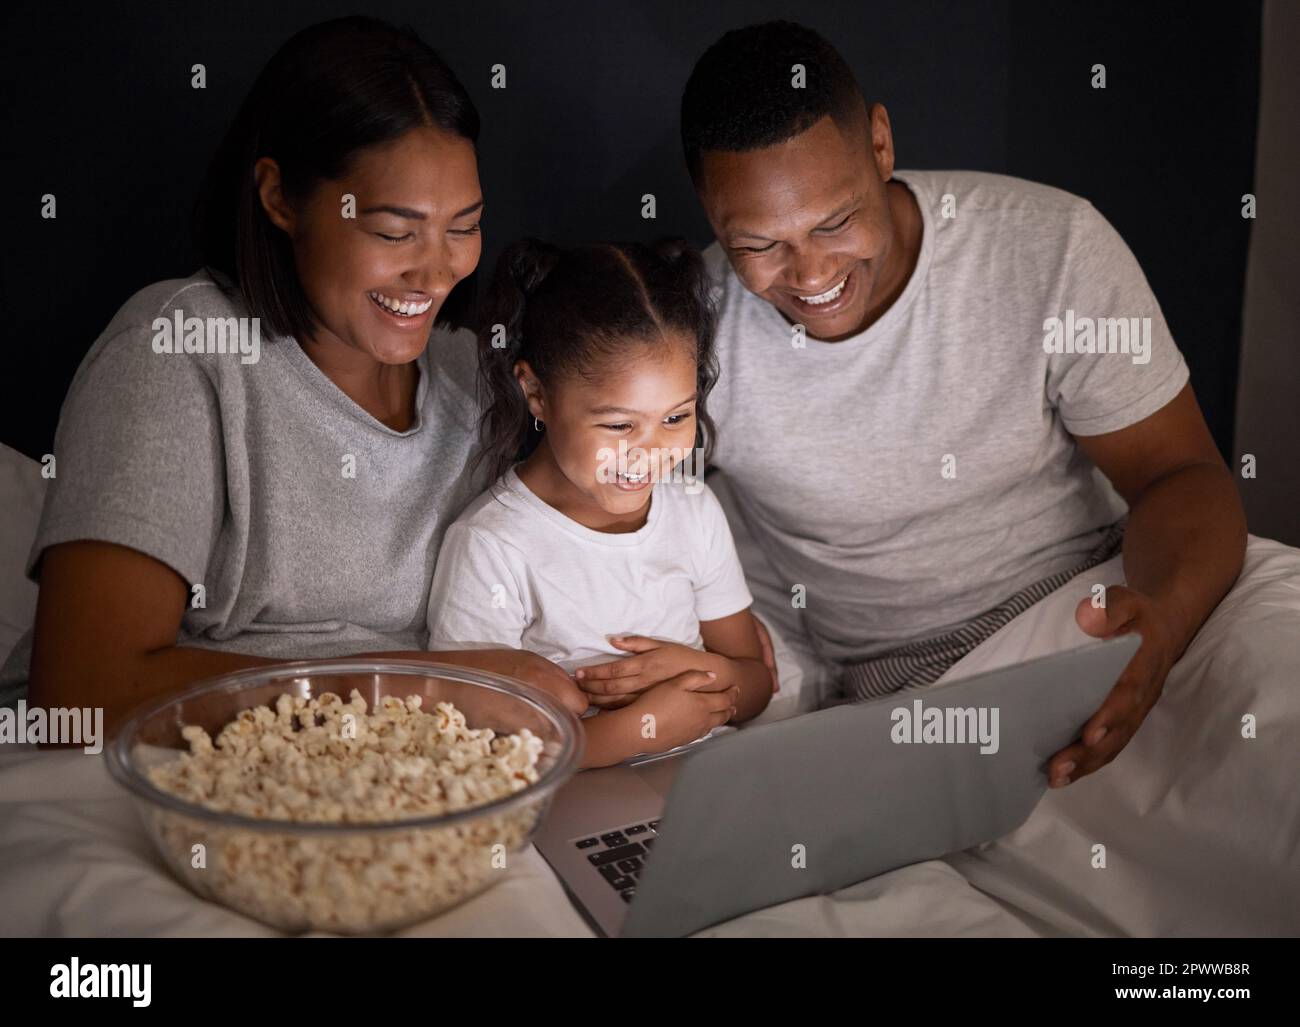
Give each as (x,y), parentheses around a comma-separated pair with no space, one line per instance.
(385,391)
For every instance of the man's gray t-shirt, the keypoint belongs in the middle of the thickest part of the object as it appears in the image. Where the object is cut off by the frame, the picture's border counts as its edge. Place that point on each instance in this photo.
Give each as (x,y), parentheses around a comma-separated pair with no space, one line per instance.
(906,479)
(312,527)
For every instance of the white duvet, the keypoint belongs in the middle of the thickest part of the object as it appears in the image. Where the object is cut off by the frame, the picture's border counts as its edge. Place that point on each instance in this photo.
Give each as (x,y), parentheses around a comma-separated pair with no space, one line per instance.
(1201,826)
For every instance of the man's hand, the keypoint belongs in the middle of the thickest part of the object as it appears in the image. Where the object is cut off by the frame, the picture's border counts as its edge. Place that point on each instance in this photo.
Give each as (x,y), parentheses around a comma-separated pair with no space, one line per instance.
(619,682)
(1183,549)
(1135,693)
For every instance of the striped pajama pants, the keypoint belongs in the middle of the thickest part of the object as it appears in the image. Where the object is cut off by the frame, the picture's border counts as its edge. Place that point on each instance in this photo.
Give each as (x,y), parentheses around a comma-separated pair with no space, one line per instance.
(921,663)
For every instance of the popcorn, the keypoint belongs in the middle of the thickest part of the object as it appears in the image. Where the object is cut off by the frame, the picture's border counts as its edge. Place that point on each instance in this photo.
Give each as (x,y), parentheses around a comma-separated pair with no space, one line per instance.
(323,760)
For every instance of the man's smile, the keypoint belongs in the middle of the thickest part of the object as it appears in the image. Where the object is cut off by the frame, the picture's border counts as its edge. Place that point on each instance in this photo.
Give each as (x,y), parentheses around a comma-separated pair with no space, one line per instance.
(843,292)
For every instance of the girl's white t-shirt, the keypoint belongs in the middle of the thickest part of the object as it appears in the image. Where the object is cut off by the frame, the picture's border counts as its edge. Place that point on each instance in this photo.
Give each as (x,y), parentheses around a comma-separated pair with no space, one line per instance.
(515,572)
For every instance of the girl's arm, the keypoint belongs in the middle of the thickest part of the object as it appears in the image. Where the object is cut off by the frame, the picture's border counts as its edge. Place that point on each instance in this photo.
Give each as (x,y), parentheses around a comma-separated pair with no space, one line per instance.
(735,638)
(672,713)
(732,652)
(735,641)
(609,738)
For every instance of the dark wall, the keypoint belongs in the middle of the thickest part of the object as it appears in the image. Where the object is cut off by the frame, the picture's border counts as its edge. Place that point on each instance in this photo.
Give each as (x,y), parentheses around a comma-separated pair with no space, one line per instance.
(99,111)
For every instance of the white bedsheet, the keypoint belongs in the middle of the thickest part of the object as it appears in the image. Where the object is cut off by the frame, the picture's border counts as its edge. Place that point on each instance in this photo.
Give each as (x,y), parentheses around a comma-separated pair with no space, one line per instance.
(1201,826)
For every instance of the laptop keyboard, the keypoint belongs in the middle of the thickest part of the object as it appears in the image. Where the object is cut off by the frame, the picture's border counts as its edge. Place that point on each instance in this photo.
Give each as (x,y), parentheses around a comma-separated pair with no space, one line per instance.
(619,856)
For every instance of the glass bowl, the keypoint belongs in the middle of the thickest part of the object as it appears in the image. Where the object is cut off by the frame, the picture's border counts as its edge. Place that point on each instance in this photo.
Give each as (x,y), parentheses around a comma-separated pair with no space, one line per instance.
(342,877)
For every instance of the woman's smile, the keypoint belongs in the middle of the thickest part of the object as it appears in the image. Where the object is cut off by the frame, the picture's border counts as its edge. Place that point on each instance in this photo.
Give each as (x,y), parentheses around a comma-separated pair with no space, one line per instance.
(402,315)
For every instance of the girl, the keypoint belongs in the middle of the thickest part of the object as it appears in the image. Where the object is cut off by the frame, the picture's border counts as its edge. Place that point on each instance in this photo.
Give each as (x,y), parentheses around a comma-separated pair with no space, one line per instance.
(600,542)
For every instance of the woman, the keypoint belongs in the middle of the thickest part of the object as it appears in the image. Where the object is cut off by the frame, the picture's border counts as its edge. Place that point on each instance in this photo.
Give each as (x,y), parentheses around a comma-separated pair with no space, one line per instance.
(220,510)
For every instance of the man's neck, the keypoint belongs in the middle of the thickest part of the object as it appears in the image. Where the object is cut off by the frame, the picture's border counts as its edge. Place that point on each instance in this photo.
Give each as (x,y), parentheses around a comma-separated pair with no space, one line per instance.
(908,228)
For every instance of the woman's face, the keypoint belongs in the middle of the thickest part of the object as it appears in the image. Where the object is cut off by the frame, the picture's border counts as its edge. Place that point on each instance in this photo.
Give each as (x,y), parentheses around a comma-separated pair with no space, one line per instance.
(413,235)
(646,402)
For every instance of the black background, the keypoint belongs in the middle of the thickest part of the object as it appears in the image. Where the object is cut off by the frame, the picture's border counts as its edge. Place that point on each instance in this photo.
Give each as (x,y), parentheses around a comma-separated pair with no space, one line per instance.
(99,111)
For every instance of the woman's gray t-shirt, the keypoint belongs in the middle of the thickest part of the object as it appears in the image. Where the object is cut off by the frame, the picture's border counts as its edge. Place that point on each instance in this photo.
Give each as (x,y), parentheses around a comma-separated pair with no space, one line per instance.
(312,527)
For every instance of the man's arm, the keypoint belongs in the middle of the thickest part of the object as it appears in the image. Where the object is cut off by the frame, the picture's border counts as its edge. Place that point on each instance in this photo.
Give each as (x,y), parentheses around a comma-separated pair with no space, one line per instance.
(1183,549)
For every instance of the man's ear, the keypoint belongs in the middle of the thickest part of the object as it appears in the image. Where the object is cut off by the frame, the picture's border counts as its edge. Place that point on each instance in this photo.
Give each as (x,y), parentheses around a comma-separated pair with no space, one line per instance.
(882,141)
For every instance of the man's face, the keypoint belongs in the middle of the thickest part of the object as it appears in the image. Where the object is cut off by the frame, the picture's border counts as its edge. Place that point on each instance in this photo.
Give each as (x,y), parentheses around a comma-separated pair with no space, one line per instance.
(807,223)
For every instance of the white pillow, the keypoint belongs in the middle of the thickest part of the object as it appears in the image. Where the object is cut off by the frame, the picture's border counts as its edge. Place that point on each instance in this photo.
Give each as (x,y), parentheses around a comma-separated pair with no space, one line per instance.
(22,493)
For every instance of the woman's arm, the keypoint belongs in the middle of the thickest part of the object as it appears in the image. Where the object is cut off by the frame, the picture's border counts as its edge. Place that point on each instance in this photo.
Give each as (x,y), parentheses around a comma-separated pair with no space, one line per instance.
(107,618)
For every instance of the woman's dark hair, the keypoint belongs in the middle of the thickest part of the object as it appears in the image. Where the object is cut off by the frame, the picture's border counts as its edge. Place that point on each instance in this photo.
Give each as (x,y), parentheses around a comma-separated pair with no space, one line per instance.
(331,91)
(569,311)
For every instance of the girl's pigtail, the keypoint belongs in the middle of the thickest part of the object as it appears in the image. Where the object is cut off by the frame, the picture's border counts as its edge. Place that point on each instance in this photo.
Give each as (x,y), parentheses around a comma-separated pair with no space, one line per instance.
(506,425)
(696,296)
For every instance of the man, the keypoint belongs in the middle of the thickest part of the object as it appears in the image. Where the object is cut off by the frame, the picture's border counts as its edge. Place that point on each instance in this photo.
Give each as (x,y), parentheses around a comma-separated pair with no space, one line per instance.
(938,394)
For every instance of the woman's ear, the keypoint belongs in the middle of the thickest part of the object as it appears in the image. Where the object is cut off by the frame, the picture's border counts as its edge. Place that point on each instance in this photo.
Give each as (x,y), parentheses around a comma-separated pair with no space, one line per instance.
(266,172)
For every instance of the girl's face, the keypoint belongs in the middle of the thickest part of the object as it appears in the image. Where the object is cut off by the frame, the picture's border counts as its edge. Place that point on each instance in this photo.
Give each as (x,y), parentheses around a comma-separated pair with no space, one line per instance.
(415,234)
(646,401)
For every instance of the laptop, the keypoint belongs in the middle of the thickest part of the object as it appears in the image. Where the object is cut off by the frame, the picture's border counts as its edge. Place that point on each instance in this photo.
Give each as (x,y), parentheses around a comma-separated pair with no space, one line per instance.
(667,845)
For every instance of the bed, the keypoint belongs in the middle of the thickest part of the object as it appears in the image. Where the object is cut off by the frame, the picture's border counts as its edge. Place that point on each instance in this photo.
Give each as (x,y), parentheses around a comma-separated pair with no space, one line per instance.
(1200,825)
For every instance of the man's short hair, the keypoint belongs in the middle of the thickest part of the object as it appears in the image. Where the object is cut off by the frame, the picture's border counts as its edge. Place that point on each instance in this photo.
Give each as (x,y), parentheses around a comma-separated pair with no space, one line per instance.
(741,94)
